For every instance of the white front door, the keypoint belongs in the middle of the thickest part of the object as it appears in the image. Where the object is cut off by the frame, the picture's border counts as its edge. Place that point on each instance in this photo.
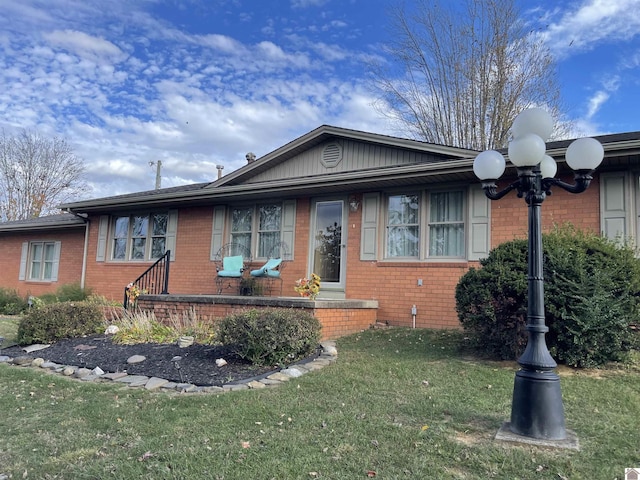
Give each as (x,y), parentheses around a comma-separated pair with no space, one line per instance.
(328,246)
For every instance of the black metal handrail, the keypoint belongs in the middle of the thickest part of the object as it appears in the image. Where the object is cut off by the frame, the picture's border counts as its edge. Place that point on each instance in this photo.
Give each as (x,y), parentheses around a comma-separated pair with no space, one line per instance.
(154,280)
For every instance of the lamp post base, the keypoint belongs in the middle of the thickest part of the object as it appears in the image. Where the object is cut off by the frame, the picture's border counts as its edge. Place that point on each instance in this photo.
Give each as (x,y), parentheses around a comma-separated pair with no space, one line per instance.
(536,409)
(506,435)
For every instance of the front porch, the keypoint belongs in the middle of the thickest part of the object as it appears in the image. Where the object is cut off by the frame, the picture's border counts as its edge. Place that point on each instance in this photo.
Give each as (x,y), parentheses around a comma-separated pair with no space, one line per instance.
(338,317)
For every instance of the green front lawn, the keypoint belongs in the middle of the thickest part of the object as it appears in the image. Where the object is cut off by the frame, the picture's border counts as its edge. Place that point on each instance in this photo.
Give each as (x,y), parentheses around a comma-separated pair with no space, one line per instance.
(9,329)
(398,404)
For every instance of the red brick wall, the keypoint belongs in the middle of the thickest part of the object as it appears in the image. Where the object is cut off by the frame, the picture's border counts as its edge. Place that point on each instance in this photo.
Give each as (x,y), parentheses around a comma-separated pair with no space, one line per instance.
(509,215)
(192,272)
(336,322)
(70,266)
(393,284)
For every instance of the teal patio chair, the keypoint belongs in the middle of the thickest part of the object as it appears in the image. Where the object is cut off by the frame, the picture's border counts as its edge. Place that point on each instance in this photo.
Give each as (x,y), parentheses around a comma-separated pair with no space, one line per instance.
(231,262)
(272,270)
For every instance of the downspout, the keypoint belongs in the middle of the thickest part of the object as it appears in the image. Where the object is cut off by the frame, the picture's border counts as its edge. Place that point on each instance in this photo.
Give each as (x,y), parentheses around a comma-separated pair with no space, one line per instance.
(85,218)
(84,254)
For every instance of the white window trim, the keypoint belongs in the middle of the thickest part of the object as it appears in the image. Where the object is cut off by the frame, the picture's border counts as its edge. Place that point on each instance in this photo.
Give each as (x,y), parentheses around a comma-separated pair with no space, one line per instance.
(287,224)
(424,197)
(26,259)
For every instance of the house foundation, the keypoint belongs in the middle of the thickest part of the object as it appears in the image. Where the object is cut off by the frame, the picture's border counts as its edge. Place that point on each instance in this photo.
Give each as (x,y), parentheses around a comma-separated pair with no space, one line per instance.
(337,317)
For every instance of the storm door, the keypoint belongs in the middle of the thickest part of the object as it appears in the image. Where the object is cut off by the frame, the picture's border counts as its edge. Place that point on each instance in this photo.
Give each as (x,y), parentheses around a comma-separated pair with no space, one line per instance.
(329,244)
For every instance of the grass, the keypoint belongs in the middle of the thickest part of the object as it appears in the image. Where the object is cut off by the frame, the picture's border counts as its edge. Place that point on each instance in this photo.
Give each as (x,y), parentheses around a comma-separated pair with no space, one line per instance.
(398,404)
(9,329)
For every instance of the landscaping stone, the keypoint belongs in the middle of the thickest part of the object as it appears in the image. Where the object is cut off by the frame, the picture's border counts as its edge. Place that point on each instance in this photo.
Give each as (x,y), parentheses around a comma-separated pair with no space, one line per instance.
(82,372)
(279,376)
(232,387)
(114,375)
(292,372)
(22,361)
(35,347)
(134,380)
(185,387)
(330,348)
(270,381)
(327,357)
(213,389)
(155,382)
(136,359)
(37,362)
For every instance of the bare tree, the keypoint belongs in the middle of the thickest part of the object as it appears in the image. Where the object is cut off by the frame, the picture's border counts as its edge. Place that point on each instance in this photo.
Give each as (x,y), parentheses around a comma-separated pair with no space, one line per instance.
(460,73)
(36,174)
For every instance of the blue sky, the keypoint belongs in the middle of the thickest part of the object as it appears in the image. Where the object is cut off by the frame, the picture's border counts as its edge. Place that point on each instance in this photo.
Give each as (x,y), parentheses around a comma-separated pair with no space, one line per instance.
(196,83)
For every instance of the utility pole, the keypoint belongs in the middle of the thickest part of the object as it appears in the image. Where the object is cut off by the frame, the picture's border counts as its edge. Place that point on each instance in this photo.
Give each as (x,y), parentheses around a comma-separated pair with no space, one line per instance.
(158,165)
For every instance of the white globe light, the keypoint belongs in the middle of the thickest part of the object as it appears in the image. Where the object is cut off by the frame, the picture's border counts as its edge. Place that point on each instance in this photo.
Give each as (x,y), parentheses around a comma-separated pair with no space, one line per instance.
(585,154)
(489,165)
(527,150)
(548,167)
(533,120)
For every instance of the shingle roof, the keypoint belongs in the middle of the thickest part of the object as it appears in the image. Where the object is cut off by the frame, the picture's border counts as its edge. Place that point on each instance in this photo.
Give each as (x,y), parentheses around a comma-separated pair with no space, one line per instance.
(62,220)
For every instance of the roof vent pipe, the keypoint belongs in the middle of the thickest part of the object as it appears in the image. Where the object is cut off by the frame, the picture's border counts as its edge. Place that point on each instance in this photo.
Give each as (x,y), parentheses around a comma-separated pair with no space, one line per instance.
(219,168)
(251,157)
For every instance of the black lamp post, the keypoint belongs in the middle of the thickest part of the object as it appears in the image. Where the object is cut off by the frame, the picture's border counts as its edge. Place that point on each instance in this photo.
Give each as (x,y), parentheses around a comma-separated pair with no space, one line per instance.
(536,409)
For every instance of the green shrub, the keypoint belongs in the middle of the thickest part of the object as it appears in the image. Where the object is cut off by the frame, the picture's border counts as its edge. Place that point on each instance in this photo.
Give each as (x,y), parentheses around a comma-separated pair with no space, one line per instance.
(71,292)
(60,320)
(270,336)
(11,303)
(592,290)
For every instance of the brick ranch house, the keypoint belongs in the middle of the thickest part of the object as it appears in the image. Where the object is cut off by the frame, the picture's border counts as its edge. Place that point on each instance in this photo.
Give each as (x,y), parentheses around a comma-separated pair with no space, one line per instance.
(389,224)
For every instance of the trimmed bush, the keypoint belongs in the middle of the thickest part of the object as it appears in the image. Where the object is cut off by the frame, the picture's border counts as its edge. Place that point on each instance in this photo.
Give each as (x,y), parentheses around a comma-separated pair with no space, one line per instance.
(271,336)
(60,320)
(71,292)
(11,303)
(592,290)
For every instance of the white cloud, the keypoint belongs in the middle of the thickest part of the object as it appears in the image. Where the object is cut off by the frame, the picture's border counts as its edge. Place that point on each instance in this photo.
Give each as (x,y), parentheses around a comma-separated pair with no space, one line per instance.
(586,24)
(86,46)
(307,3)
(126,88)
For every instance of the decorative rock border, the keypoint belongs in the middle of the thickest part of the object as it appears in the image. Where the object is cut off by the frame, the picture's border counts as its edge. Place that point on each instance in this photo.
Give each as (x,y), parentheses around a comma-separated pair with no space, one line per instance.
(328,355)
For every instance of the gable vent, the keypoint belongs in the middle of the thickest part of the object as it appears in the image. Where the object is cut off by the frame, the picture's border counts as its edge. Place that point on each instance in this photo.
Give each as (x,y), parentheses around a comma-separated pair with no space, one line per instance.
(331,155)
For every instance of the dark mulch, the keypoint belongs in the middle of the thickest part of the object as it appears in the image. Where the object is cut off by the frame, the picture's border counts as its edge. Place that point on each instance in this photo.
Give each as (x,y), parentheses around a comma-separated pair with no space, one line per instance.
(196,364)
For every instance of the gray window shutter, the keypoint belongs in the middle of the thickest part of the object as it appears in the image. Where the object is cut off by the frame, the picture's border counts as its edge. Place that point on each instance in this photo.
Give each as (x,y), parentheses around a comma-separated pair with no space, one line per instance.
(369,235)
(103,231)
(23,261)
(172,230)
(479,224)
(289,224)
(217,232)
(614,205)
(56,261)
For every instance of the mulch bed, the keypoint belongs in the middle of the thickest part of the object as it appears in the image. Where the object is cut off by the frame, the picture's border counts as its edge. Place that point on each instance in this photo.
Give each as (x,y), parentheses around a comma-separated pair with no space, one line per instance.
(196,365)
